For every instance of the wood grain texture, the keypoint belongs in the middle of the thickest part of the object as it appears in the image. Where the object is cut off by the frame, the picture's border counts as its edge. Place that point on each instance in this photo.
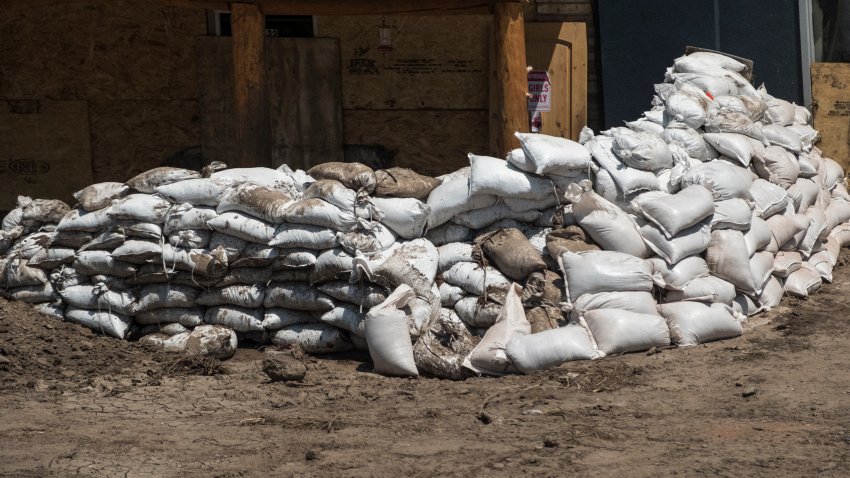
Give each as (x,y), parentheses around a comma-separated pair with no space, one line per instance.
(45,149)
(251,115)
(511,83)
(215,99)
(831,96)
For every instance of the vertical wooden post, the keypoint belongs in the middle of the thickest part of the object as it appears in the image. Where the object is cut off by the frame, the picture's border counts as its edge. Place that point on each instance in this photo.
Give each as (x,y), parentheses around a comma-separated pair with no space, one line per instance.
(249,78)
(511,76)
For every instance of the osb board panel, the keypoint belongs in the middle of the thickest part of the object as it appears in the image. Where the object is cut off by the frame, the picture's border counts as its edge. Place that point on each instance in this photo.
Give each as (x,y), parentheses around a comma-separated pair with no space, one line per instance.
(304,101)
(215,99)
(44,149)
(430,142)
(129,137)
(831,95)
(99,49)
(436,62)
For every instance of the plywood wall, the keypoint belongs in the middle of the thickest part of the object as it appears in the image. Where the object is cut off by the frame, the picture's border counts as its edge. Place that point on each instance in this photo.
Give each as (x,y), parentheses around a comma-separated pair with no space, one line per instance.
(831,95)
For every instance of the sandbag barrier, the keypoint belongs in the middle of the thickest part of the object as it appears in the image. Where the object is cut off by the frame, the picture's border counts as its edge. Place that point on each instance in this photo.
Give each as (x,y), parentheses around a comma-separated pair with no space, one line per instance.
(672,229)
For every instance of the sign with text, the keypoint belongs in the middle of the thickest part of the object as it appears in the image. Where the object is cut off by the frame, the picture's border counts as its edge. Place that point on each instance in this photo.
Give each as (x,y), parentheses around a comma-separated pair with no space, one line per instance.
(539,91)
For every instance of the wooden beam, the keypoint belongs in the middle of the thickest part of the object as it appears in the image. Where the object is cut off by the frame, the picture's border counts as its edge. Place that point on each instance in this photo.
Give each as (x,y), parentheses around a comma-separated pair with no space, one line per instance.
(375,7)
(511,78)
(251,107)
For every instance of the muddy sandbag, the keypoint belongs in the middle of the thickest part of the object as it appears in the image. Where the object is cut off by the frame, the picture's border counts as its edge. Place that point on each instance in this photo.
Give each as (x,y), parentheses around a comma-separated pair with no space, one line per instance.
(101,321)
(186,216)
(52,258)
(239,319)
(354,176)
(511,253)
(275,179)
(454,252)
(292,259)
(550,348)
(162,296)
(137,252)
(16,272)
(190,238)
(604,271)
(448,233)
(82,220)
(476,312)
(140,207)
(100,195)
(318,212)
(34,294)
(444,344)
(388,337)
(243,226)
(694,323)
(570,238)
(202,262)
(187,317)
(479,281)
(212,341)
(277,318)
(348,317)
(102,262)
(404,183)
(375,238)
(450,294)
(414,263)
(255,255)
(148,181)
(486,217)
(255,200)
(304,235)
(361,293)
(489,356)
(99,297)
(197,192)
(620,331)
(296,295)
(313,338)
(250,296)
(332,264)
(543,288)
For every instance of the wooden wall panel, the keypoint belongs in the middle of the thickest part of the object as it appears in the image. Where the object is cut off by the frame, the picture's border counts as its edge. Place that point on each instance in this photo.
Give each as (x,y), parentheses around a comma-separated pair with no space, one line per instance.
(117,49)
(215,99)
(436,62)
(129,137)
(430,142)
(44,149)
(831,96)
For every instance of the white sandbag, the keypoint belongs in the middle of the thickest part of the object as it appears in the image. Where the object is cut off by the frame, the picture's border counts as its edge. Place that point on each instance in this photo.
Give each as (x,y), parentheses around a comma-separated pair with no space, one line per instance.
(690,241)
(708,289)
(386,330)
(105,241)
(258,201)
(777,165)
(304,236)
(803,194)
(620,331)
(489,356)
(732,213)
(148,181)
(99,297)
(677,212)
(480,218)
(212,341)
(187,317)
(185,216)
(822,263)
(100,195)
(832,246)
(808,135)
(361,293)
(517,158)
(348,317)
(476,280)
(140,207)
(277,318)
(761,268)
(452,198)
(317,212)
(332,264)
(786,227)
(101,321)
(190,238)
(642,151)
(604,271)
(745,306)
(714,59)
(691,140)
(550,348)
(552,154)
(452,253)
(447,233)
(374,239)
(313,338)
(292,259)
(197,261)
(450,294)
(816,231)
(809,163)
(243,226)
(643,125)
(728,259)
(771,295)
(628,180)
(413,263)
(143,230)
(250,296)
(266,177)
(522,205)
(81,220)
(605,223)
(407,217)
(723,179)
(197,192)
(7,238)
(497,177)
(831,173)
(237,318)
(733,145)
(137,252)
(52,258)
(475,312)
(782,136)
(678,275)
(778,111)
(688,108)
(639,302)
(734,122)
(34,294)
(296,295)
(837,212)
(768,198)
(101,262)
(163,296)
(802,282)
(693,323)
(758,236)
(16,272)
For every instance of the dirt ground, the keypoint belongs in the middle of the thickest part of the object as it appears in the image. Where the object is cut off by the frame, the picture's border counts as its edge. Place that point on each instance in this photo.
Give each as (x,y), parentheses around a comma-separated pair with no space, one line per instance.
(771,403)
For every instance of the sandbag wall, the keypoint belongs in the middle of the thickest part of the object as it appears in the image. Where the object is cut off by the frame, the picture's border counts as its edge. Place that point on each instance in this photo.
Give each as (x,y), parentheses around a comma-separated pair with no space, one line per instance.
(671,229)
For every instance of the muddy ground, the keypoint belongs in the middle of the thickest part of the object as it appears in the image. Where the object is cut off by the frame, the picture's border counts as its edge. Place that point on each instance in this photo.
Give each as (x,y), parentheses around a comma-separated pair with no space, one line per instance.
(771,403)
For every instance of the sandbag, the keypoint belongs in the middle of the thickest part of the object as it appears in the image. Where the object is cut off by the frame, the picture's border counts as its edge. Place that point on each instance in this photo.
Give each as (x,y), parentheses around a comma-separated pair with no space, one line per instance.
(414,263)
(607,224)
(332,264)
(212,341)
(450,294)
(447,233)
(296,295)
(728,259)
(243,226)
(374,239)
(550,348)
(404,183)
(815,233)
(642,151)
(723,179)
(443,346)
(570,238)
(313,338)
(361,293)
(552,154)
(512,253)
(407,217)
(82,220)
(732,214)
(137,252)
(781,136)
(162,296)
(496,176)
(489,356)
(52,258)
(604,271)
(187,317)
(277,318)
(477,280)
(197,192)
(638,302)
(687,108)
(690,241)
(822,263)
(709,289)
(34,294)
(140,207)
(694,323)
(452,198)
(354,176)
(837,212)
(190,238)
(198,261)
(620,331)
(148,181)
(786,262)
(476,312)
(101,321)
(454,252)
(101,262)
(677,212)
(255,200)
(677,276)
(239,319)
(761,267)
(304,236)
(786,227)
(100,195)
(347,317)
(771,295)
(734,122)
(803,194)
(266,177)
(317,212)
(388,337)
(242,295)
(481,218)
(758,236)
(691,140)
(628,180)
(733,145)
(99,297)
(802,282)
(778,166)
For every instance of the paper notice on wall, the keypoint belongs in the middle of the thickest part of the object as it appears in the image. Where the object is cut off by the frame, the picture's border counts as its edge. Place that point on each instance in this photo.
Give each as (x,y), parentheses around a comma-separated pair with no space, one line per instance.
(539,91)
